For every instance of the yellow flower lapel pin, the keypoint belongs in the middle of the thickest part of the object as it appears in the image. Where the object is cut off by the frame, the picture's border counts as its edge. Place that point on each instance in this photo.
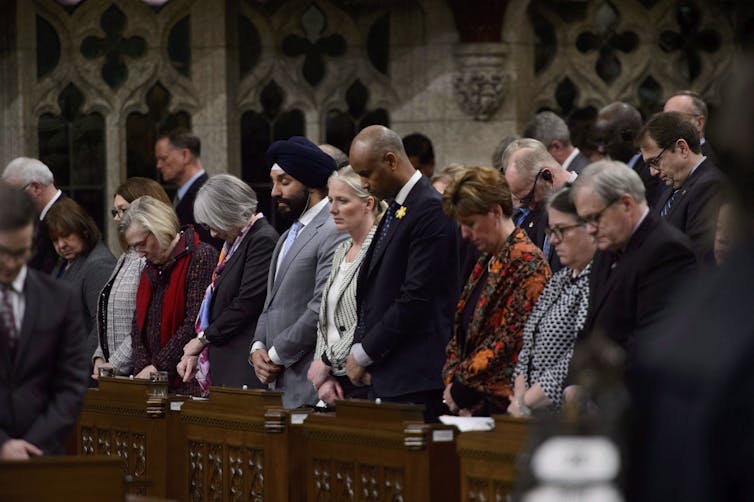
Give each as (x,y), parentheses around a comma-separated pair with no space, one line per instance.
(401,212)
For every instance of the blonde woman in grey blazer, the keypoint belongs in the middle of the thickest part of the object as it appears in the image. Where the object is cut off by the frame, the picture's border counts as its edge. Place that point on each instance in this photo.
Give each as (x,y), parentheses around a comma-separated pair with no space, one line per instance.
(354,211)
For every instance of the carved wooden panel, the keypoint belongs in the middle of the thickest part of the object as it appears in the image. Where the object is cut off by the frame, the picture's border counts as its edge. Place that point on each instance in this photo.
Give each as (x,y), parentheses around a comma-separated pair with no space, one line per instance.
(196,470)
(501,491)
(394,483)
(322,490)
(236,473)
(87,440)
(256,473)
(215,466)
(121,448)
(343,484)
(369,482)
(104,442)
(139,450)
(478,490)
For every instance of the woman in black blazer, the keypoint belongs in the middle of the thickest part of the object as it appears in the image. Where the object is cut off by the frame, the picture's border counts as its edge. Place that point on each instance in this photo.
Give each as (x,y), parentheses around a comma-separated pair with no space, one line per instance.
(235,298)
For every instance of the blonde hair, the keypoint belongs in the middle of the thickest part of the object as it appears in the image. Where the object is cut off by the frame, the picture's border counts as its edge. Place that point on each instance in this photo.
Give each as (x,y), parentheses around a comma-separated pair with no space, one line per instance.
(153,216)
(352,180)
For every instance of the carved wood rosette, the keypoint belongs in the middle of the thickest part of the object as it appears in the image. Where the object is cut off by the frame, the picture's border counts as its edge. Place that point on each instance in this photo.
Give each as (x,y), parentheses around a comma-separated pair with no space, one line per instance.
(215,466)
(344,481)
(322,487)
(196,470)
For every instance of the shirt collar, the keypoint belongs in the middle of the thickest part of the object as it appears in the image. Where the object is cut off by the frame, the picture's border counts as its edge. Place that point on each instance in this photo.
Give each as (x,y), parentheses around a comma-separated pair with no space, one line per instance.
(695,166)
(633,160)
(184,188)
(403,192)
(641,220)
(572,177)
(49,205)
(18,283)
(567,161)
(310,213)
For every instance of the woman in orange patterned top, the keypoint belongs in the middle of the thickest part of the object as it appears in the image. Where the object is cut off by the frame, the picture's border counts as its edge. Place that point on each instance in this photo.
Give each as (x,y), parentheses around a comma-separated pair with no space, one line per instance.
(497,299)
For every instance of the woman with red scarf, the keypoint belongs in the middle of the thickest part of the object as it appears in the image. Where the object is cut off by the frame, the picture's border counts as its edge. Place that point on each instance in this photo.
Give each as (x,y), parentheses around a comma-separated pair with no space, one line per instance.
(178,269)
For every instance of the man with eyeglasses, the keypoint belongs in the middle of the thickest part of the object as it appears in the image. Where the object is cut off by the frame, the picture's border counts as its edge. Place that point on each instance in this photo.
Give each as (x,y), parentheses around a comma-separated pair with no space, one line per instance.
(641,261)
(42,342)
(532,175)
(36,179)
(670,147)
(693,108)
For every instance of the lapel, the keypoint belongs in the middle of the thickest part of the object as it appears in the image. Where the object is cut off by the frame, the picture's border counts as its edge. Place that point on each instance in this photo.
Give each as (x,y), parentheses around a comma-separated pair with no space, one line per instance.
(610,279)
(355,265)
(305,235)
(239,252)
(400,225)
(187,201)
(688,185)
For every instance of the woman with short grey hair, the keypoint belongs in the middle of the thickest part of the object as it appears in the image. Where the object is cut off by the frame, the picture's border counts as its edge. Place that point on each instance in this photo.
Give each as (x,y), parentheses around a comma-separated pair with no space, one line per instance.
(234,299)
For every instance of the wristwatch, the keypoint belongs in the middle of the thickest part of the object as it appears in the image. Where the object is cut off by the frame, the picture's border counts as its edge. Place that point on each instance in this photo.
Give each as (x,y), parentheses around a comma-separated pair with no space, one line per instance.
(202,338)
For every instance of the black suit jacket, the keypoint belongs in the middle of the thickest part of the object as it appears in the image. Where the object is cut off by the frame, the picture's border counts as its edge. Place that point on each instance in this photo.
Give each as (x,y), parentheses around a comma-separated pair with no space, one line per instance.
(653,186)
(579,162)
(185,211)
(407,296)
(42,388)
(45,257)
(694,209)
(631,292)
(534,224)
(709,152)
(238,300)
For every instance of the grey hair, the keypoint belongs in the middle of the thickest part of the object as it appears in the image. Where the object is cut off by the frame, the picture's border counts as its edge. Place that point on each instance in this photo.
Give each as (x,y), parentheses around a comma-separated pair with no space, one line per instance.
(153,216)
(497,155)
(529,163)
(353,181)
(225,203)
(610,180)
(28,170)
(698,105)
(548,127)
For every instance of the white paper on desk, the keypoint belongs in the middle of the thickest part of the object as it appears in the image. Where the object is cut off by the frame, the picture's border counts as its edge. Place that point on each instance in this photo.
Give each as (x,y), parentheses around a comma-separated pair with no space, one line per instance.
(466,424)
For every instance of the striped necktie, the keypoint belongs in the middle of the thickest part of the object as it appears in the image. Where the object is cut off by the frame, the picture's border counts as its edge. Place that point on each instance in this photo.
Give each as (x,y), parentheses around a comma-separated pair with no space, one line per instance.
(7,319)
(669,203)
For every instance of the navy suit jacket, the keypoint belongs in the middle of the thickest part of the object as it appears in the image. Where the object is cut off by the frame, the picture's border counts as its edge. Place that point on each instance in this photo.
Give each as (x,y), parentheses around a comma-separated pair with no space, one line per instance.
(579,162)
(185,211)
(45,257)
(407,295)
(694,209)
(43,386)
(631,292)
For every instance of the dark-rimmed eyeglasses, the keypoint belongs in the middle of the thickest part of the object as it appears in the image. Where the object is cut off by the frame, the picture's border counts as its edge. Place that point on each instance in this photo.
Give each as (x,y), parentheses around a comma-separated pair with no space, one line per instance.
(559,232)
(655,161)
(594,219)
(527,200)
(118,212)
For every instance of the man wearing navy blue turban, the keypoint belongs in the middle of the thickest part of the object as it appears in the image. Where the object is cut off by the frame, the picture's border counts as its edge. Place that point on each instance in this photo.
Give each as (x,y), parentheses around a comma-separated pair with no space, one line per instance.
(286,332)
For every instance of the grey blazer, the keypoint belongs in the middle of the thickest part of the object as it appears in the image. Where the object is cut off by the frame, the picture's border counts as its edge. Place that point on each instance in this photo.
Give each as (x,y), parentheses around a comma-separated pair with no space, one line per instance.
(291,310)
(88,275)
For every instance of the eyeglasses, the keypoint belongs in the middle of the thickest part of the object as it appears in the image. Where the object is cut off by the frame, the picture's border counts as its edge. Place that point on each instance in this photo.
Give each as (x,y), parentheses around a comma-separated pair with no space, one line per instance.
(15,254)
(525,201)
(118,211)
(594,219)
(559,232)
(655,161)
(142,244)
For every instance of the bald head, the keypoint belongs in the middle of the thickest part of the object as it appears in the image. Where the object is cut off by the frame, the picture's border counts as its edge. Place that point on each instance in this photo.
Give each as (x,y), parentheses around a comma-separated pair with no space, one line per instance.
(615,130)
(378,156)
(691,106)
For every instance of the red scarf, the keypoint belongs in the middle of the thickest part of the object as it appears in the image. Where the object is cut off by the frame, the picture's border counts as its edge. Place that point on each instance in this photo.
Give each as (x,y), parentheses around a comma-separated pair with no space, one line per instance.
(174,301)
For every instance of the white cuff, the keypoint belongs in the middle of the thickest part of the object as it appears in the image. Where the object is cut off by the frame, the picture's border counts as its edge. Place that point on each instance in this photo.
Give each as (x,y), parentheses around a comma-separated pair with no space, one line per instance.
(273,354)
(358,353)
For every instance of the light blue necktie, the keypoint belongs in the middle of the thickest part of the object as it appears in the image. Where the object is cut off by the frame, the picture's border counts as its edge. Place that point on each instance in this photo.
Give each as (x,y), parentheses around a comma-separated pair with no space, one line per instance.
(292,233)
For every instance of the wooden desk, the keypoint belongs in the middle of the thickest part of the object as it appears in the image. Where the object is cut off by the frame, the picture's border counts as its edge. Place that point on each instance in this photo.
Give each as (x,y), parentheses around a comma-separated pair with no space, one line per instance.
(384,452)
(488,459)
(54,479)
(240,446)
(120,419)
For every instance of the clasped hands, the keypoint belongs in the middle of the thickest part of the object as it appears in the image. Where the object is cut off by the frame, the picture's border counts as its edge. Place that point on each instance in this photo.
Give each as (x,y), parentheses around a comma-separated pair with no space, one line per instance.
(189,363)
(266,370)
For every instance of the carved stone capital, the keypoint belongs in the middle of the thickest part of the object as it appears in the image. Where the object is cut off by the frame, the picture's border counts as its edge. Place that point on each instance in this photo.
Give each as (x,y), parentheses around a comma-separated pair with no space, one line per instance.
(479,83)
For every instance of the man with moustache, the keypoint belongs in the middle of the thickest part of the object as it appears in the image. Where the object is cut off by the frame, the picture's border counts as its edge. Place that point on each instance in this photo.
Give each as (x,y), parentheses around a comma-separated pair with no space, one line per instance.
(286,332)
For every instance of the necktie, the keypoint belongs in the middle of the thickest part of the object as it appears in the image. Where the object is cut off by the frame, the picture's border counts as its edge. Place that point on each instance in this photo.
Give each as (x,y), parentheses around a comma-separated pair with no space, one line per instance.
(7,319)
(386,221)
(176,200)
(669,203)
(292,233)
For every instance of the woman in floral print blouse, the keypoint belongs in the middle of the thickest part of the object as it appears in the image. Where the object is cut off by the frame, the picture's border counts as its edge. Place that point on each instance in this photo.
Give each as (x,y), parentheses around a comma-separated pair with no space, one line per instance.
(497,299)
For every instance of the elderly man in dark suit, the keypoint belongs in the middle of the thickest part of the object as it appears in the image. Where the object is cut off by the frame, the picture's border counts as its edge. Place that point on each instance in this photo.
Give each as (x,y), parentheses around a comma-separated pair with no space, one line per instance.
(178,159)
(408,282)
(670,146)
(693,108)
(641,260)
(43,365)
(553,132)
(38,181)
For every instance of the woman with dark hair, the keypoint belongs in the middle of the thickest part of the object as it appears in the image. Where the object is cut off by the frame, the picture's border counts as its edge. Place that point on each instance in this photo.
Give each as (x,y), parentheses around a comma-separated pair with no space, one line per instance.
(84,260)
(550,332)
(235,297)
(499,294)
(117,301)
(178,270)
